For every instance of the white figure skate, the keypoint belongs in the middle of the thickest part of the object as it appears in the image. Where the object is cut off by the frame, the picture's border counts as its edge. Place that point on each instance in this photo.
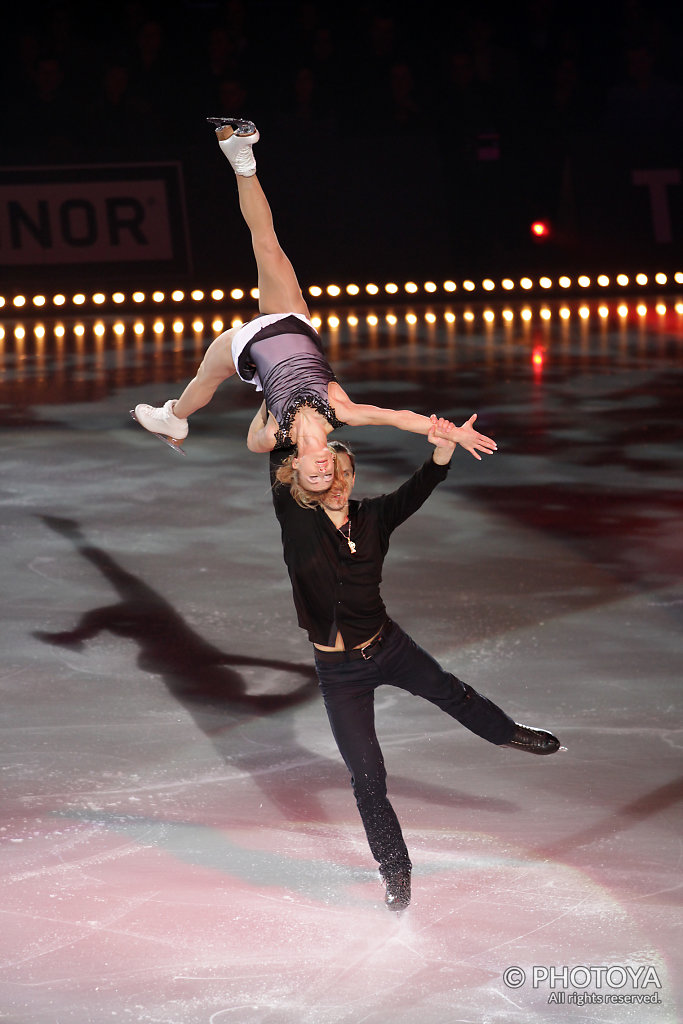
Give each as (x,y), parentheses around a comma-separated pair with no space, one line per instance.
(238,147)
(163,423)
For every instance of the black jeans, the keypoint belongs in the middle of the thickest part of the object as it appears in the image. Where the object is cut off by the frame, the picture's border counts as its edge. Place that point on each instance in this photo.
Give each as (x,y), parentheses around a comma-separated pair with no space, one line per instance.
(348,689)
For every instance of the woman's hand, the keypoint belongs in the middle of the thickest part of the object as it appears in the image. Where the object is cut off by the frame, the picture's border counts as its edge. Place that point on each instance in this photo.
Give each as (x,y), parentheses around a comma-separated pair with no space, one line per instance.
(466,436)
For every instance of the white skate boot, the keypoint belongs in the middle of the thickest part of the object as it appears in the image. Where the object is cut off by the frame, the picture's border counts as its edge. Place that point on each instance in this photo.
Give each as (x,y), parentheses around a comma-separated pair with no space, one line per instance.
(238,147)
(163,423)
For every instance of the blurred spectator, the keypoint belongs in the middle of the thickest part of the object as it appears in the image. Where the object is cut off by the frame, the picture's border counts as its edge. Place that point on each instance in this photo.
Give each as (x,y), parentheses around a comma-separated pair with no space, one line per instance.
(44,118)
(117,119)
(156,76)
(643,114)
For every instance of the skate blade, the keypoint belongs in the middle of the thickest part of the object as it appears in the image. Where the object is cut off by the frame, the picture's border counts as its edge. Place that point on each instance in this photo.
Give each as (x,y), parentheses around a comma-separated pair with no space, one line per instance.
(170,441)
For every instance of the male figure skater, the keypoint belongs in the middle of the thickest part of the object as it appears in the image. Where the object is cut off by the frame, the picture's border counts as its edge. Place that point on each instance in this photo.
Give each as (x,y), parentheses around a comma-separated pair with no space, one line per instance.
(334,551)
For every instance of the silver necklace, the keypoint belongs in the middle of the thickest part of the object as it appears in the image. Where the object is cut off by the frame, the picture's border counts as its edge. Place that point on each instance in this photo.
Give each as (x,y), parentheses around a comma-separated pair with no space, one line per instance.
(347,536)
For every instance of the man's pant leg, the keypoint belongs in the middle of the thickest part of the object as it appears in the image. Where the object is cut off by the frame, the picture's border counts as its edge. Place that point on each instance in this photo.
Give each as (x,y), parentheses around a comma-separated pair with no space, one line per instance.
(405,664)
(348,690)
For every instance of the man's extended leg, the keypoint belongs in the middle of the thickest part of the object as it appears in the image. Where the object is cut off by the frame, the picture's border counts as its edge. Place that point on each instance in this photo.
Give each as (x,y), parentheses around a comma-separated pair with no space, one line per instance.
(405,664)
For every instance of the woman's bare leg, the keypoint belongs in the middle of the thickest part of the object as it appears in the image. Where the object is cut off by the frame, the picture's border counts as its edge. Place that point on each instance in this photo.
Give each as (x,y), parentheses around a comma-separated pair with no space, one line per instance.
(279,289)
(216,366)
(170,421)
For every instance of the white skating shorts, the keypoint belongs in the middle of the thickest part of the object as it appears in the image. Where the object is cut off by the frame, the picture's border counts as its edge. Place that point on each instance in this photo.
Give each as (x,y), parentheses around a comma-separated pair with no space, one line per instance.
(244,335)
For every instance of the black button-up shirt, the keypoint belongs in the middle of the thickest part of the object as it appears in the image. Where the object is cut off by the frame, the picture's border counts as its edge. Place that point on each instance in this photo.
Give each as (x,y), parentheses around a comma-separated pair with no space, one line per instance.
(334,589)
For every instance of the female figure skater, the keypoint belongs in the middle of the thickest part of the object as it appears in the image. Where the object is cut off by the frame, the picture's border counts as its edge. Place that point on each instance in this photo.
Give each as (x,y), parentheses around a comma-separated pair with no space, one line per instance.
(280,353)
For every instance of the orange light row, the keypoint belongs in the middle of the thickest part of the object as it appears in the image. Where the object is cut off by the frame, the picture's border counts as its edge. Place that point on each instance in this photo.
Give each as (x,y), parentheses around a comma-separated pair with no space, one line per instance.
(333,322)
(99,299)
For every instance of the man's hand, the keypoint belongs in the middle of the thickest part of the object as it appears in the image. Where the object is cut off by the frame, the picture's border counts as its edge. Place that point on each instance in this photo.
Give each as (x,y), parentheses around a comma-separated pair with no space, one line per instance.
(438,436)
(466,436)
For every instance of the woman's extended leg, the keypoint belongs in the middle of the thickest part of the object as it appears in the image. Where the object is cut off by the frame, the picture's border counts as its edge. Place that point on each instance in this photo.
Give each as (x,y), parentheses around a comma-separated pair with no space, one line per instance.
(169,423)
(279,290)
(215,367)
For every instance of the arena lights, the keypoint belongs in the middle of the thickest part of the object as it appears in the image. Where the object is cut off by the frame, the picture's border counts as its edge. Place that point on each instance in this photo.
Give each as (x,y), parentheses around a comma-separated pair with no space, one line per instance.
(336,320)
(332,291)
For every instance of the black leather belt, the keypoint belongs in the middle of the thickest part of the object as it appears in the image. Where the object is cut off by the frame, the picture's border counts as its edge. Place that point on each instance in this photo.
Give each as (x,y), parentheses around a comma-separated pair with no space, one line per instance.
(358,653)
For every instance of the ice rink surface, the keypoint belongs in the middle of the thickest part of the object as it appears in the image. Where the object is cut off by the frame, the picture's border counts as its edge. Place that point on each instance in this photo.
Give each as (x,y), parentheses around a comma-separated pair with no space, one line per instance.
(178,838)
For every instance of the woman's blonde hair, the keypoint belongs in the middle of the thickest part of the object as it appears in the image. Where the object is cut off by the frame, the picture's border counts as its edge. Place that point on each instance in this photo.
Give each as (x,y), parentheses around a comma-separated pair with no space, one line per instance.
(288,477)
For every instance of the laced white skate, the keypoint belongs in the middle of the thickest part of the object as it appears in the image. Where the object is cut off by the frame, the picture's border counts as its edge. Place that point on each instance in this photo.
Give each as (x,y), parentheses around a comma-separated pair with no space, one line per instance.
(239,152)
(163,423)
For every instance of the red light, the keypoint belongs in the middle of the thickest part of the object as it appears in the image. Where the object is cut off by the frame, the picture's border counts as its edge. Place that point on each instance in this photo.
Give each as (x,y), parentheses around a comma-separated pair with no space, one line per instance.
(537,357)
(540,229)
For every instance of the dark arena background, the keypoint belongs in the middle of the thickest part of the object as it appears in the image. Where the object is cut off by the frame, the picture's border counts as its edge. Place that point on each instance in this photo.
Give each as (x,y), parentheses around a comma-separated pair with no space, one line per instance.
(483,205)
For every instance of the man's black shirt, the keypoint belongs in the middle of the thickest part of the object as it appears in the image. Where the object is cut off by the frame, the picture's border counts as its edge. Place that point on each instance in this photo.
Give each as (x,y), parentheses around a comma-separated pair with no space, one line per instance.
(334,589)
